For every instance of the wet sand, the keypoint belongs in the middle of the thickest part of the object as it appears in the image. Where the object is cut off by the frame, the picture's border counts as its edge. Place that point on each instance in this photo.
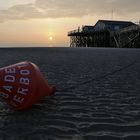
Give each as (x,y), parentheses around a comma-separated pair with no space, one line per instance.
(97,98)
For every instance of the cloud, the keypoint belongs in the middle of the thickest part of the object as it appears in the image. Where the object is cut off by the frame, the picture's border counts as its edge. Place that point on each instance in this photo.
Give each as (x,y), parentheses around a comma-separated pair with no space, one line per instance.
(66,8)
(91,7)
(21,12)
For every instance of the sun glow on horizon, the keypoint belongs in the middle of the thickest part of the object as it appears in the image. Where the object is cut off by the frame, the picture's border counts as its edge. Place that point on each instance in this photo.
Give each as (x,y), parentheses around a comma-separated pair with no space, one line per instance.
(50,38)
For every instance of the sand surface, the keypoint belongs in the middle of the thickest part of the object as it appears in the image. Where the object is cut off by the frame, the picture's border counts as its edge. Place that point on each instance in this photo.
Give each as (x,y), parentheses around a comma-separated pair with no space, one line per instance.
(97,98)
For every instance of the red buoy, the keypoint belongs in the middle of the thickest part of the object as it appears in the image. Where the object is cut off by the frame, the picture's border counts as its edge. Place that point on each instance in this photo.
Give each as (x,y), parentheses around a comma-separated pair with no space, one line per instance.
(22,85)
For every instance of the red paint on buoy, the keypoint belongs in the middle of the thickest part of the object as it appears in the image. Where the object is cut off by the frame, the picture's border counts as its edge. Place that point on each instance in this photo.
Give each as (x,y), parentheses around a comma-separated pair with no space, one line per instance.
(22,85)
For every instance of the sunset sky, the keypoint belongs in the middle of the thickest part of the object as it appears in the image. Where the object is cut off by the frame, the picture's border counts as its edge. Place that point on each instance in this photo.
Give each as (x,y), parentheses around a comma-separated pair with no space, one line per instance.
(46,22)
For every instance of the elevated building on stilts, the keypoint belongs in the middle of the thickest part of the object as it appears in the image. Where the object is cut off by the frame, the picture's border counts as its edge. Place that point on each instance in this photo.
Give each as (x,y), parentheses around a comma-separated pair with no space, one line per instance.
(106,33)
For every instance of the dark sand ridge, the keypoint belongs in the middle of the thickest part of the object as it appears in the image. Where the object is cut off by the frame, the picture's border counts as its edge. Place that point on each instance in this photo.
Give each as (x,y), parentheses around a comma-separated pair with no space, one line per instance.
(97,95)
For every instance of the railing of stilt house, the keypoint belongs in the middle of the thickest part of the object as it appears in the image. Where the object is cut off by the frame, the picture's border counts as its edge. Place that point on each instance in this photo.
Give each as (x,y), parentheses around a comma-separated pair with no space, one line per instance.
(124,40)
(128,29)
(75,31)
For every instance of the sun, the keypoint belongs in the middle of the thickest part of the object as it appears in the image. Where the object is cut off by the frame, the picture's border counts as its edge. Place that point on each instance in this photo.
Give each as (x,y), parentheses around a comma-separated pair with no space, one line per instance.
(50,38)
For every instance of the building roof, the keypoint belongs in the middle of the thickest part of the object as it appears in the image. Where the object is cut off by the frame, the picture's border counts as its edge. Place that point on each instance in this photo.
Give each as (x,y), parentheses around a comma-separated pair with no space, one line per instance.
(116,22)
(112,24)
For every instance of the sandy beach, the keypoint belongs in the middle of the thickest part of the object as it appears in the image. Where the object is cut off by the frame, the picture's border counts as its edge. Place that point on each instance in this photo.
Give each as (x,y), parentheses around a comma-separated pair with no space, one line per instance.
(97,97)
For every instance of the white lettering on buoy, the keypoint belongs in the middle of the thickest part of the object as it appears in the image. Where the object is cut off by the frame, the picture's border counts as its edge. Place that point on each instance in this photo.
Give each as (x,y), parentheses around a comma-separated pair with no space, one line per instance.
(21,78)
(8,88)
(18,99)
(9,78)
(24,72)
(22,91)
(10,70)
(24,81)
(4,95)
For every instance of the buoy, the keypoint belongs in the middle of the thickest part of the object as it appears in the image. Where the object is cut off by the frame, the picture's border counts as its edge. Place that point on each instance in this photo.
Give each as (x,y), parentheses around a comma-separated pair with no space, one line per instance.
(22,85)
